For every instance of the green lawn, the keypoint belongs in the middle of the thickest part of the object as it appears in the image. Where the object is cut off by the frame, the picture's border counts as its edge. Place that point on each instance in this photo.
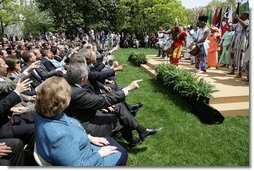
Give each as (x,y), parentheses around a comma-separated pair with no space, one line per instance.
(184,140)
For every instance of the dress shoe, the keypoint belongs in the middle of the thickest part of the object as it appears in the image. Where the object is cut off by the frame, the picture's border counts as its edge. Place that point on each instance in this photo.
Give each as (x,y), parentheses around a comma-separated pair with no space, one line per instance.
(136,106)
(134,112)
(143,136)
(134,142)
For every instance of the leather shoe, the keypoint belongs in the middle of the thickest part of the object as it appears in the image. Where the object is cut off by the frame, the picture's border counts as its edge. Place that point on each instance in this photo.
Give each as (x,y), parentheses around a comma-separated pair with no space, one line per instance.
(134,142)
(143,136)
(134,112)
(136,106)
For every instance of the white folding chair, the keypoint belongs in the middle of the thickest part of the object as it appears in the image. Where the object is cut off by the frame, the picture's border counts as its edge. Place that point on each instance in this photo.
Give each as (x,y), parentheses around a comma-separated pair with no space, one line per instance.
(40,161)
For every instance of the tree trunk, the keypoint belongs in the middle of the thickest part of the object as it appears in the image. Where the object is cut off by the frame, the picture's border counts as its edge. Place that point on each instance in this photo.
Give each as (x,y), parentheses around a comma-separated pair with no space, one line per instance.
(2,33)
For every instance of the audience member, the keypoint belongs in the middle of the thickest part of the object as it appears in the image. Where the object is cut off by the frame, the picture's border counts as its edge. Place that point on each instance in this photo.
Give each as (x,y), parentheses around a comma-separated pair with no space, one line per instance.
(212,55)
(59,131)
(86,106)
(11,152)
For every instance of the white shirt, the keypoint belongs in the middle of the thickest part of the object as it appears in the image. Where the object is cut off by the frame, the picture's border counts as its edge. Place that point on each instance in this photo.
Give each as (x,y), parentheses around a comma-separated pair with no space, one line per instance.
(160,36)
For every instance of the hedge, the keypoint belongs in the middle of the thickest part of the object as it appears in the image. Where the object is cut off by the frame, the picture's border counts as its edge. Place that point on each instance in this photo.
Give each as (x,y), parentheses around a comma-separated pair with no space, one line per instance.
(185,83)
(137,58)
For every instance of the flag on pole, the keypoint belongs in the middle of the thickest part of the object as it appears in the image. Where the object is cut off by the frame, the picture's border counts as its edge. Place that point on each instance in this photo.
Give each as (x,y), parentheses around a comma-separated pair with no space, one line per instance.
(238,9)
(237,12)
(218,21)
(230,15)
(224,26)
(210,17)
(246,6)
(215,17)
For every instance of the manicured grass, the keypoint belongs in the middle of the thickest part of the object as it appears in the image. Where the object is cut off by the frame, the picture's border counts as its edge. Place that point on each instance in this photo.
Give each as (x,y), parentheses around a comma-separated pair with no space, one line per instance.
(184,140)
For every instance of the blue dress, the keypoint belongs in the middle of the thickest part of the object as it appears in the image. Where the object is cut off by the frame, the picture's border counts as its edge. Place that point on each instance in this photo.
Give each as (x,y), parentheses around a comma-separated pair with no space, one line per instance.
(62,141)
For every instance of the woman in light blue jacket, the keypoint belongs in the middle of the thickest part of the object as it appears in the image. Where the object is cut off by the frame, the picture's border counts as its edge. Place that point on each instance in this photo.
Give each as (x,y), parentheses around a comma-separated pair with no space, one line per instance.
(61,140)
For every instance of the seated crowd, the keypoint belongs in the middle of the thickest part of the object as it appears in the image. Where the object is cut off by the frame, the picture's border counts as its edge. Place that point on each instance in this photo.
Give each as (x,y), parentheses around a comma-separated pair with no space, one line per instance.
(50,86)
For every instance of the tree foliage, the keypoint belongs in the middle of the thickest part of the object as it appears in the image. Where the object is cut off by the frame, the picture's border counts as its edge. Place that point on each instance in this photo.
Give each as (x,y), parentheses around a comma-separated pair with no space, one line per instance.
(10,11)
(68,15)
(132,15)
(147,15)
(36,21)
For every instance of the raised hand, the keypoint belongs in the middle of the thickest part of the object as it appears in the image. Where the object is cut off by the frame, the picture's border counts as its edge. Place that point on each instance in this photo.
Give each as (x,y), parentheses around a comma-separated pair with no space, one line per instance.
(119,68)
(33,66)
(133,85)
(23,86)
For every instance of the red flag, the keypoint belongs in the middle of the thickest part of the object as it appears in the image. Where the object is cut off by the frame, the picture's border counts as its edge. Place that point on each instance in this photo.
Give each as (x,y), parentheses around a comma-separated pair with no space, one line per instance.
(218,21)
(215,17)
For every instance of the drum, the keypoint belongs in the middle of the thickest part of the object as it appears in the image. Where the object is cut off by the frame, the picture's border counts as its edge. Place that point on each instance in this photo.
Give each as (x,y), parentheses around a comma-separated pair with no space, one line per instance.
(194,50)
(160,44)
(169,48)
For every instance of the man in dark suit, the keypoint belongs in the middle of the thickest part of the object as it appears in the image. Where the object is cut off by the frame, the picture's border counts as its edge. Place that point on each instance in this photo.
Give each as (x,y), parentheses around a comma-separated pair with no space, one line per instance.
(41,73)
(18,126)
(11,152)
(86,105)
(98,84)
(45,60)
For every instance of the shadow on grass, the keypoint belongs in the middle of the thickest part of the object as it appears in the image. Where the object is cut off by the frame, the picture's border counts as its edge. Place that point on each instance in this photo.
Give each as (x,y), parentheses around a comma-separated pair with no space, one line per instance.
(171,95)
(134,150)
(137,149)
(202,111)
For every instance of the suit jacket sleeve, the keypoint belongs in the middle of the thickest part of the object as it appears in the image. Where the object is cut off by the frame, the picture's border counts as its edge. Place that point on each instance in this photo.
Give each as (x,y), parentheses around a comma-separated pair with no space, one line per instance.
(85,100)
(9,85)
(45,74)
(48,64)
(95,75)
(7,103)
(100,66)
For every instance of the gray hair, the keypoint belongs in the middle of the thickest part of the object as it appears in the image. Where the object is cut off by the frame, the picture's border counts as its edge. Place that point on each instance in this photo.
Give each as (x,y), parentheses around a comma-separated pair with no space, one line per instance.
(86,53)
(75,72)
(77,58)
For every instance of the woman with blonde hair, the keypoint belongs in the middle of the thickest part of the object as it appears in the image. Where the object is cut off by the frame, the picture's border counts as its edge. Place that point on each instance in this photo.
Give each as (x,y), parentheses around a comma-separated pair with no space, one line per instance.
(61,140)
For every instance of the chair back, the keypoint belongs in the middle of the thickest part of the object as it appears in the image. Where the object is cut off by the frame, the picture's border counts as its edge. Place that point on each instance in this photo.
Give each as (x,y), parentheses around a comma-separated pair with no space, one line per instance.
(39,160)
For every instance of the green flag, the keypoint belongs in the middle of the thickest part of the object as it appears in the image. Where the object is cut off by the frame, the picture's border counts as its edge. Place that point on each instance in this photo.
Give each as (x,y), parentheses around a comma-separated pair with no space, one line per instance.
(210,18)
(246,6)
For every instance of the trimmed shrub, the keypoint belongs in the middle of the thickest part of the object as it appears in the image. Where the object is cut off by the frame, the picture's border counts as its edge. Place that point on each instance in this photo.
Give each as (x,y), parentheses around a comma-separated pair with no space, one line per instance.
(185,83)
(137,58)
